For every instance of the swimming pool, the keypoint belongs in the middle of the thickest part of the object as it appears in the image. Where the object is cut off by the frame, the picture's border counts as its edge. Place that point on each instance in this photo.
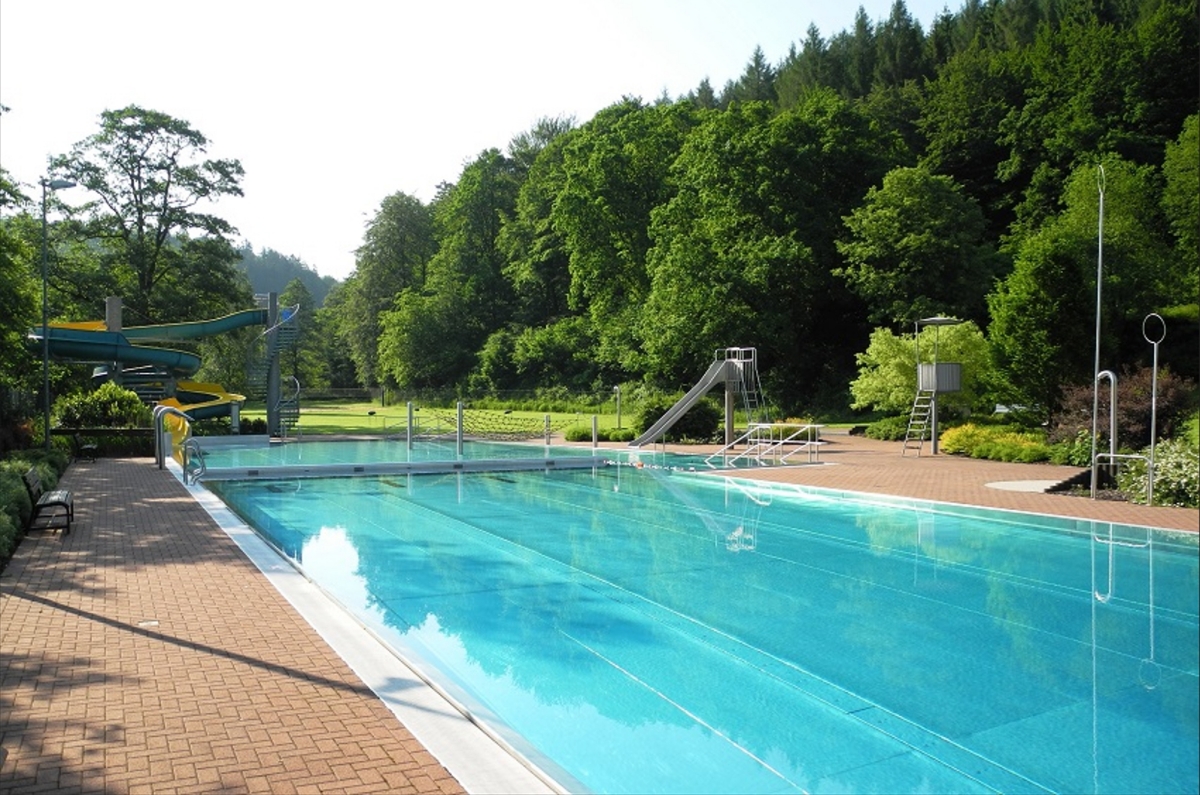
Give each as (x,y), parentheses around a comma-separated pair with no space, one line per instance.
(652,630)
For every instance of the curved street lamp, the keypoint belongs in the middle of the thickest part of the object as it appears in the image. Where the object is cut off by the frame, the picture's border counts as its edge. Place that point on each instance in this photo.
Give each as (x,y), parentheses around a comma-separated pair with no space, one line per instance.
(47,186)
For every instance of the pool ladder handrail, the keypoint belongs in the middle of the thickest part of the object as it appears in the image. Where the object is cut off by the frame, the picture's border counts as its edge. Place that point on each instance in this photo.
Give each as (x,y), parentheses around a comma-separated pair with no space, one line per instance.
(193,453)
(161,411)
(1112,542)
(760,446)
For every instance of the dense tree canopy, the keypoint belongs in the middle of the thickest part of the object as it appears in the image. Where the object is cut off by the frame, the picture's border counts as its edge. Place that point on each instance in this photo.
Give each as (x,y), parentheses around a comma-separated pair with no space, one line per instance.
(17,289)
(916,247)
(872,175)
(145,216)
(1043,329)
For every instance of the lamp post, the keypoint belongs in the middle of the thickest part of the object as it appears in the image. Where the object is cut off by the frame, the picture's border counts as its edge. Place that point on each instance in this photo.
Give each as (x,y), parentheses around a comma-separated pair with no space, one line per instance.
(1096,361)
(47,186)
(617,391)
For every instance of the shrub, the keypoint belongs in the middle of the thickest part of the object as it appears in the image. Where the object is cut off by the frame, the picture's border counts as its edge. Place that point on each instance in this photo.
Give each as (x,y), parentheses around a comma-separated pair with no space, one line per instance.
(1076,453)
(889,429)
(12,492)
(995,443)
(964,439)
(621,435)
(1134,399)
(1176,475)
(10,536)
(256,426)
(583,433)
(699,424)
(15,498)
(1190,430)
(109,406)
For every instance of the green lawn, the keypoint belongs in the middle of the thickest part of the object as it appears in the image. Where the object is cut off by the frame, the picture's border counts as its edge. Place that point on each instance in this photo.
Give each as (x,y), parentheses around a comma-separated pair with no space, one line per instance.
(319,418)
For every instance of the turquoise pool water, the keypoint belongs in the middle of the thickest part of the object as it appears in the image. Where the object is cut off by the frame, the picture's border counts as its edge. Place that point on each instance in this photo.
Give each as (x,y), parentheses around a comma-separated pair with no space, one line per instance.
(653,630)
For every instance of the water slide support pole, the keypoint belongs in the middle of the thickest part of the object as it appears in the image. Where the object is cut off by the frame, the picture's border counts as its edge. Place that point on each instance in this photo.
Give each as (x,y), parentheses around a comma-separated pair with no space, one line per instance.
(409,435)
(273,365)
(460,429)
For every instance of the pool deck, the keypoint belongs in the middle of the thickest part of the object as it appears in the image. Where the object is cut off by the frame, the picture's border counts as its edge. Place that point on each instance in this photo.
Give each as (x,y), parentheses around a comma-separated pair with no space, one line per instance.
(147,651)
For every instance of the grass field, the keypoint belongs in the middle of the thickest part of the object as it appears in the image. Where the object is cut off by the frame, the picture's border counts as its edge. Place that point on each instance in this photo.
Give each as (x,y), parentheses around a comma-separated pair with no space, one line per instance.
(324,418)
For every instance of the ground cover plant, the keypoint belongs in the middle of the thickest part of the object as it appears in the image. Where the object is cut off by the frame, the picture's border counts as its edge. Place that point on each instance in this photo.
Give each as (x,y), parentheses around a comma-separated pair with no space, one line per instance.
(15,498)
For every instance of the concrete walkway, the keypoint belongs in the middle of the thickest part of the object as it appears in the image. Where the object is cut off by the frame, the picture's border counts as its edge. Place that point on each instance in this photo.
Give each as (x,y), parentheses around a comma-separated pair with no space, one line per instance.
(145,652)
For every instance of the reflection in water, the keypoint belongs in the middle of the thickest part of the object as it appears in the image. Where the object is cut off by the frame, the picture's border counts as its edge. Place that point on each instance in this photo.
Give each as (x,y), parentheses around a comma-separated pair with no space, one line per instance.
(655,631)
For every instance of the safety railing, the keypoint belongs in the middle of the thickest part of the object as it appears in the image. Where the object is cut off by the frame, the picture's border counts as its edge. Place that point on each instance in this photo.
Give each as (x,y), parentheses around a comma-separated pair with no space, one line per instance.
(184,432)
(767,446)
(193,462)
(1113,458)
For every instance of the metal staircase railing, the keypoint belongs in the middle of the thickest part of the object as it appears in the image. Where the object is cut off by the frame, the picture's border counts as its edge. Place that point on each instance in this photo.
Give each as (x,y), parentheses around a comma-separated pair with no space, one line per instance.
(766,445)
(289,410)
(261,362)
(918,422)
(749,384)
(194,465)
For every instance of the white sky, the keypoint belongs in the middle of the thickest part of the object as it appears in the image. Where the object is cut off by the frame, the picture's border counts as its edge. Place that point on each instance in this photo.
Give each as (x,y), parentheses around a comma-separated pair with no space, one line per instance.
(332,107)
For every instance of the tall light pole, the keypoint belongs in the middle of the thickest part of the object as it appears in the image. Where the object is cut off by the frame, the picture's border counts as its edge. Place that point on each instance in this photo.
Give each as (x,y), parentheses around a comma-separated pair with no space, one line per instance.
(1096,361)
(47,186)
(617,392)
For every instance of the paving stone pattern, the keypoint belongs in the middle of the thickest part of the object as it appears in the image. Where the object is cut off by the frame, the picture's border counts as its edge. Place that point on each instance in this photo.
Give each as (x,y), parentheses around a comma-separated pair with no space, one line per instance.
(144,653)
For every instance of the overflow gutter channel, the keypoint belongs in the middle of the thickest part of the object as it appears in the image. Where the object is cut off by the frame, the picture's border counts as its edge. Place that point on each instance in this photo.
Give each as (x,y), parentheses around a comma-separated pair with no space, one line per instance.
(283,472)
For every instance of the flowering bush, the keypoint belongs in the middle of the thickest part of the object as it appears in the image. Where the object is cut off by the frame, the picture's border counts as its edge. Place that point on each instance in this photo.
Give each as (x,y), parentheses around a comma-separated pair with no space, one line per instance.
(996,443)
(1176,475)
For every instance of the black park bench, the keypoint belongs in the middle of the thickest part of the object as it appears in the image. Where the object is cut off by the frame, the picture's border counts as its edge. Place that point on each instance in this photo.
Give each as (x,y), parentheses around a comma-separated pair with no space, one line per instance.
(84,451)
(51,509)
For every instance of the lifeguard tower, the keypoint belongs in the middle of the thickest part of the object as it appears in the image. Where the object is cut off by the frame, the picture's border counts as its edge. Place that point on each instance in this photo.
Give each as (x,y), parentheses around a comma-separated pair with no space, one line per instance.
(933,379)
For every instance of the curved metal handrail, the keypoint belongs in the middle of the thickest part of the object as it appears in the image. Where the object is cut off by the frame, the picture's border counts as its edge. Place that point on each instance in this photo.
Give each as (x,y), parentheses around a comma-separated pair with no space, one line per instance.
(192,452)
(160,411)
(1112,428)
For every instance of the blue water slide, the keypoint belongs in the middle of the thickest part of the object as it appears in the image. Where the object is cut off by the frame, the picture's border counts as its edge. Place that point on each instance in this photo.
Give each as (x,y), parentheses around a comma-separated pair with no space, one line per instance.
(197,329)
(89,342)
(112,346)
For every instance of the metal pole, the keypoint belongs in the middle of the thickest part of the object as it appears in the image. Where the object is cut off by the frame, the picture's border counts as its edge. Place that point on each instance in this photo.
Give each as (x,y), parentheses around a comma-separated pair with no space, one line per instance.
(1112,427)
(934,408)
(410,425)
(1096,361)
(274,426)
(1153,400)
(460,429)
(45,329)
(1153,429)
(47,185)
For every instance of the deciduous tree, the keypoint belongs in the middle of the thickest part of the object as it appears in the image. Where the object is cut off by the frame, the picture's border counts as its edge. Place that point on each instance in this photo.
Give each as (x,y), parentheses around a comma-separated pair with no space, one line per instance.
(917,247)
(169,258)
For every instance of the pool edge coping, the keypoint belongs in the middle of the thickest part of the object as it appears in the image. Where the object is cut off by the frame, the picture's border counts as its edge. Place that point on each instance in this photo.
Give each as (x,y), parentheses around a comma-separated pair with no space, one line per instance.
(481,761)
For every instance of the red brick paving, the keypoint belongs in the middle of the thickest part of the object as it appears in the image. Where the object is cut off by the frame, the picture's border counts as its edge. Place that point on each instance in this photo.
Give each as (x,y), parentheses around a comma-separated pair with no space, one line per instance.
(854,463)
(144,653)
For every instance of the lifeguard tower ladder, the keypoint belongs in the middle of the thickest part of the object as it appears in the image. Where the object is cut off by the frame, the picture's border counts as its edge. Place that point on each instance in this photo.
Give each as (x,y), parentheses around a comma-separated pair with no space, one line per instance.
(932,379)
